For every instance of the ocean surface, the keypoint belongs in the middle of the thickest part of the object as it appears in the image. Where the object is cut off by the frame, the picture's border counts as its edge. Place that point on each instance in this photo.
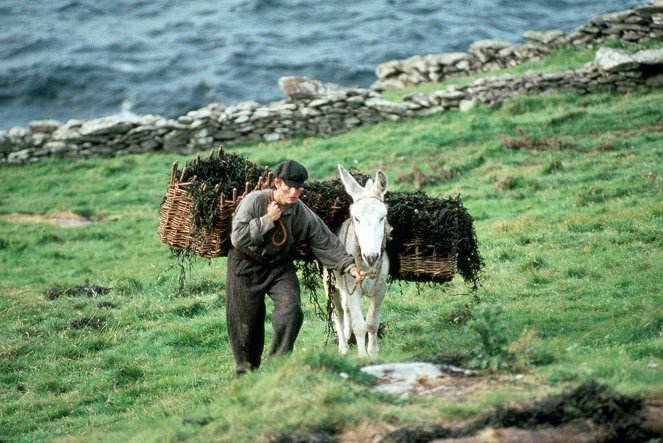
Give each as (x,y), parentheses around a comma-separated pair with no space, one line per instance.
(82,59)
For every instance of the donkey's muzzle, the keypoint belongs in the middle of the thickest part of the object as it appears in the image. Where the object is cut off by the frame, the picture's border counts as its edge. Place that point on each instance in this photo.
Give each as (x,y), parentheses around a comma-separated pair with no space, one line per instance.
(371,259)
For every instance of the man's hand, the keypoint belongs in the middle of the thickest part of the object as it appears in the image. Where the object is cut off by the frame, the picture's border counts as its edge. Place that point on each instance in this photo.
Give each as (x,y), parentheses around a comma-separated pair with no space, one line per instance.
(358,275)
(274,211)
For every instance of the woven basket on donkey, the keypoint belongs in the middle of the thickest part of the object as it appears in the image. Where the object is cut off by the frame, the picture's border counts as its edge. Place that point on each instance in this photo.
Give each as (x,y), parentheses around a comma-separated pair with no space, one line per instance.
(176,227)
(421,262)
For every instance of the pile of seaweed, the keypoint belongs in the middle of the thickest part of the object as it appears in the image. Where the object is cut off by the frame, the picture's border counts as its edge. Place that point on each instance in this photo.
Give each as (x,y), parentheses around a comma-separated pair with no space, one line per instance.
(607,416)
(444,224)
(225,173)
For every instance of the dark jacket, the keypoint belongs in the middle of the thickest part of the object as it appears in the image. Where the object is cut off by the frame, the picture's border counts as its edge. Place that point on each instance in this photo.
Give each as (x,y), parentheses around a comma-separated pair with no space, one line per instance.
(253,233)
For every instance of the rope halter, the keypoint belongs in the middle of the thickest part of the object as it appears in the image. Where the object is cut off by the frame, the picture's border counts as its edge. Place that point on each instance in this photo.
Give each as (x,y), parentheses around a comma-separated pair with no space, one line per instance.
(374,271)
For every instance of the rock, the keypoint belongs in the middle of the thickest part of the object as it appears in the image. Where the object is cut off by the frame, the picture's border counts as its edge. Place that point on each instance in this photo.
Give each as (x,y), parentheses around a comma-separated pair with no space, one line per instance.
(449,94)
(386,106)
(649,9)
(273,137)
(485,50)
(19,156)
(447,58)
(466,105)
(655,81)
(492,45)
(545,38)
(176,141)
(649,57)
(67,132)
(399,378)
(614,60)
(306,88)
(106,126)
(17,133)
(6,144)
(44,126)
(418,98)
(389,69)
(611,17)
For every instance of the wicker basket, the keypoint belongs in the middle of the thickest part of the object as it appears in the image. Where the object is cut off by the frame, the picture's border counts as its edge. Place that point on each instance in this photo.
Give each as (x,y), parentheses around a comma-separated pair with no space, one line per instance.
(175,224)
(422,262)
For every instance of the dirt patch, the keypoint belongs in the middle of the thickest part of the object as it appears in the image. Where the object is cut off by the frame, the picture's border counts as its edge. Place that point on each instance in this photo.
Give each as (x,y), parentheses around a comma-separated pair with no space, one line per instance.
(65,219)
(591,412)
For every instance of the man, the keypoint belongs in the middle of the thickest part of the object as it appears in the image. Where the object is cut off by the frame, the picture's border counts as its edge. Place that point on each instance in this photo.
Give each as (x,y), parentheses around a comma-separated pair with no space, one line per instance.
(267,227)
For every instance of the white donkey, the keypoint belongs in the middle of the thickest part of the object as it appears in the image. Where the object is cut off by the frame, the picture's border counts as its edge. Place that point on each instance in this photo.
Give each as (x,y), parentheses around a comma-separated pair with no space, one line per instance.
(364,235)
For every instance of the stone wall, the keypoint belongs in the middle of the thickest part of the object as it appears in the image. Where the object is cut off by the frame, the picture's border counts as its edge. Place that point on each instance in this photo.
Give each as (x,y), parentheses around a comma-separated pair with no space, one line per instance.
(611,70)
(631,26)
(320,109)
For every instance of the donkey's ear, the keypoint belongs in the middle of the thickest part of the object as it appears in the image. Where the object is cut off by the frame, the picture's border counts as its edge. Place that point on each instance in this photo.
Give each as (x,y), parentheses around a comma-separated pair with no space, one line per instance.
(380,187)
(351,186)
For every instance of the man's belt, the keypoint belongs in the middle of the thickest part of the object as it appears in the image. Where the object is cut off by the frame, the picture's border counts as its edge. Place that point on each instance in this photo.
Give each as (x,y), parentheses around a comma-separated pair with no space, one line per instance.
(247,257)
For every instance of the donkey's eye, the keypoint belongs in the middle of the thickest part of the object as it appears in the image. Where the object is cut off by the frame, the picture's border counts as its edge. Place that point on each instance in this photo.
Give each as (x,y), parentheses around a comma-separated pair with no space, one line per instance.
(356,220)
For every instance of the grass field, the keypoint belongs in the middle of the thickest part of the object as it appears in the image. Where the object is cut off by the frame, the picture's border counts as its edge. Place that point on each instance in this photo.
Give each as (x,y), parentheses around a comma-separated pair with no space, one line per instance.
(571,234)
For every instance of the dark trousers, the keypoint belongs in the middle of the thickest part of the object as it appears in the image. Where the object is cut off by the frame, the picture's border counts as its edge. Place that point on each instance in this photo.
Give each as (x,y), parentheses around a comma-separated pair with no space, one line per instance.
(247,282)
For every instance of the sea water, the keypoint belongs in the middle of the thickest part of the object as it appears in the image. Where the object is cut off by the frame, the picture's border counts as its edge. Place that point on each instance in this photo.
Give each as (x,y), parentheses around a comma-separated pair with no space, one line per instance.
(82,59)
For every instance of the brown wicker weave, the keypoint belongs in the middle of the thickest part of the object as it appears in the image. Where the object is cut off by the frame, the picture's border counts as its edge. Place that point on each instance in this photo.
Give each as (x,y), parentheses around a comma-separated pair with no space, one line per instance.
(421,262)
(175,224)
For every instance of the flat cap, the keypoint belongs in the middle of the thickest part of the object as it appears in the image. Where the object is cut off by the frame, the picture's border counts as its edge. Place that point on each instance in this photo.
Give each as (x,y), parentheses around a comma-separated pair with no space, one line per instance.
(293,173)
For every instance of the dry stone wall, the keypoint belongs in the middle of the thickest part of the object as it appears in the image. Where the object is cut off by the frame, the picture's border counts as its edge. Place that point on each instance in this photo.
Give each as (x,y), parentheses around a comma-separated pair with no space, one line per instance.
(314,108)
(631,26)
(611,70)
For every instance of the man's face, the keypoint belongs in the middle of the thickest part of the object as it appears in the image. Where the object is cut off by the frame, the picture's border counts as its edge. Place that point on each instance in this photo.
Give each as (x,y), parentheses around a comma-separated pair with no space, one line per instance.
(284,194)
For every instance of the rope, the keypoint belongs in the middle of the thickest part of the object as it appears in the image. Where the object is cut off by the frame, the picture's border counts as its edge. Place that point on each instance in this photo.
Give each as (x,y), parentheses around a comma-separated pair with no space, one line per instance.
(283,232)
(374,271)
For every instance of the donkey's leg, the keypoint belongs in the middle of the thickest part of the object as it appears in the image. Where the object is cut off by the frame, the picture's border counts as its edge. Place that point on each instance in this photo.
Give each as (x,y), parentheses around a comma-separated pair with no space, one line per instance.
(337,313)
(338,318)
(373,323)
(358,322)
(347,317)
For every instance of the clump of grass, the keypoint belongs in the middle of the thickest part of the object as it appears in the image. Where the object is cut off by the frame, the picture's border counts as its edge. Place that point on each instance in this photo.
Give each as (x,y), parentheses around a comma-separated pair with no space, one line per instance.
(490,328)
(86,289)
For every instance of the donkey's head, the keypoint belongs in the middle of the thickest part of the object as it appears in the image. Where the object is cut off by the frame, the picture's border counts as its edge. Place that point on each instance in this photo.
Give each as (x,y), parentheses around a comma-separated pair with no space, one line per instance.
(368,213)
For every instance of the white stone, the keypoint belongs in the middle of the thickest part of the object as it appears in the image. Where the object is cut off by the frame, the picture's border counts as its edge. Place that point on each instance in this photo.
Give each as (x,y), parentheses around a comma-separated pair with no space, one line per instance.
(649,57)
(385,106)
(400,378)
(466,105)
(613,60)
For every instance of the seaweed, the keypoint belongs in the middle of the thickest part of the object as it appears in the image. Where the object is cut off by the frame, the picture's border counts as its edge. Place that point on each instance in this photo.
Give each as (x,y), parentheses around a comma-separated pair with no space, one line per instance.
(442,225)
(227,174)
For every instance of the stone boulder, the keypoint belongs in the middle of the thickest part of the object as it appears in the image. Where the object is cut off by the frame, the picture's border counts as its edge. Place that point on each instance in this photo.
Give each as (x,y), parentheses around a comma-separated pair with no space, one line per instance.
(614,60)
(650,57)
(106,126)
(302,88)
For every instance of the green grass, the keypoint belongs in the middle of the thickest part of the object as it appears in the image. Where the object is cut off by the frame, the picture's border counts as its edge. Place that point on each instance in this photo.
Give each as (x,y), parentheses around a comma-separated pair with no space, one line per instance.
(574,264)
